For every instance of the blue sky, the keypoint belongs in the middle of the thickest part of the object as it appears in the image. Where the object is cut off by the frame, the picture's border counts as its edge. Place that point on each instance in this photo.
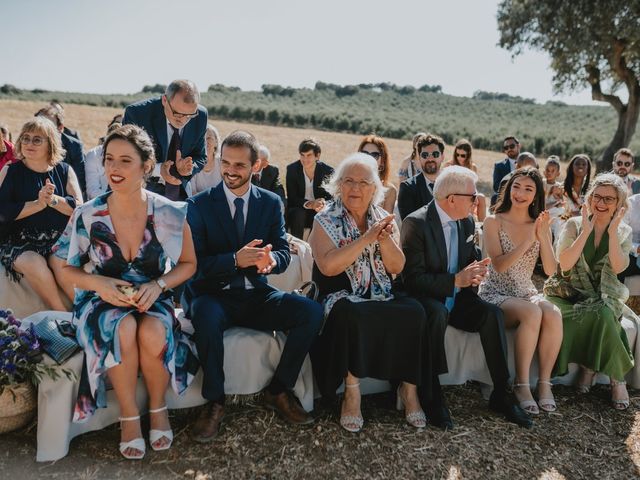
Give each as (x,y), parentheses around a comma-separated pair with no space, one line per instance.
(118,46)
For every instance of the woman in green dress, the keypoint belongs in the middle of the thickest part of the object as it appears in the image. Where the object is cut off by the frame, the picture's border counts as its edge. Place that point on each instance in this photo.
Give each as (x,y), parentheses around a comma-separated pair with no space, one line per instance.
(592,249)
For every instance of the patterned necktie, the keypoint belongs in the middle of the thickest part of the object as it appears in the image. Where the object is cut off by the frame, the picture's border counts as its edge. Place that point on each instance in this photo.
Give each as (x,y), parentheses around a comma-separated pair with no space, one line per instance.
(172,192)
(238,219)
(453,260)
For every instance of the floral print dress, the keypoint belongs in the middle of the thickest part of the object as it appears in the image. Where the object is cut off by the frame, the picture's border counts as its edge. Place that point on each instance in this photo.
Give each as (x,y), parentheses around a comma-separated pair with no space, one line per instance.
(90,238)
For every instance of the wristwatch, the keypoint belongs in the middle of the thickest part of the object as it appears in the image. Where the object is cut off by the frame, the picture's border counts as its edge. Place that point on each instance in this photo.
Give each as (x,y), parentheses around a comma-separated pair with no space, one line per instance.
(162,284)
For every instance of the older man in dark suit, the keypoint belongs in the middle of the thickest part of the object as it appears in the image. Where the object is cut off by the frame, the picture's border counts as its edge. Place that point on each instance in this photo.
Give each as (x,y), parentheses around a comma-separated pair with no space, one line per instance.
(239,237)
(268,176)
(442,270)
(177,125)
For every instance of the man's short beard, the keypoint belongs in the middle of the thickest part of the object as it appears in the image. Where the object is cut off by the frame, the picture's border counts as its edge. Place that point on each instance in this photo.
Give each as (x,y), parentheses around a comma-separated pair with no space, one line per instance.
(430,168)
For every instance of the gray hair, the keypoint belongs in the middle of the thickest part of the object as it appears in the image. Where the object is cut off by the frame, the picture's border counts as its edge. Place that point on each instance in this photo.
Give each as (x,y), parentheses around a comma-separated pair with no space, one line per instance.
(609,180)
(263,152)
(453,179)
(526,156)
(332,185)
(186,87)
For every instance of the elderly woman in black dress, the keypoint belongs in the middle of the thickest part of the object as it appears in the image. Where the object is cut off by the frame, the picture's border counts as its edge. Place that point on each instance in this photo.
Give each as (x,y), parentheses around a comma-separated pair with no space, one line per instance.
(370,330)
(37,197)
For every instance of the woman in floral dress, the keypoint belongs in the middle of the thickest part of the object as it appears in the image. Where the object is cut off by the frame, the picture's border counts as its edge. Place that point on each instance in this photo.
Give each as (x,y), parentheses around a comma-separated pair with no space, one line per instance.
(131,238)
(515,236)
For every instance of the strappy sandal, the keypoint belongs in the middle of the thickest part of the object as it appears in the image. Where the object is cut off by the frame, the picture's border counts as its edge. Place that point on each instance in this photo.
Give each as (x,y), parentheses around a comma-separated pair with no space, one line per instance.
(155,435)
(416,419)
(546,404)
(351,423)
(529,406)
(585,387)
(620,404)
(135,444)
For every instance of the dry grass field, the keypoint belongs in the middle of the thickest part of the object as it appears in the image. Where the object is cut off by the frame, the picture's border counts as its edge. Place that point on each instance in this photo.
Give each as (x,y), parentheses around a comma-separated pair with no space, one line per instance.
(283,142)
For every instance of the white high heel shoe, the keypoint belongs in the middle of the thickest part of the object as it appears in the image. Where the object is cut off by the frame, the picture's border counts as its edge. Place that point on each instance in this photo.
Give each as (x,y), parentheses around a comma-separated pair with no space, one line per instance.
(415,419)
(136,444)
(155,435)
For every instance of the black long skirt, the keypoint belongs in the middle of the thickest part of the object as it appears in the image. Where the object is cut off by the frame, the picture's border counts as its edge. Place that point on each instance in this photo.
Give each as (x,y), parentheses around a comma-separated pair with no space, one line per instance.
(383,340)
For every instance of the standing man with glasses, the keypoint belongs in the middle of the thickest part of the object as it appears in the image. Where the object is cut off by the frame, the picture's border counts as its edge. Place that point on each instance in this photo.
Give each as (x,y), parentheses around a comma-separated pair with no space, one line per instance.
(418,190)
(623,166)
(442,270)
(511,147)
(177,125)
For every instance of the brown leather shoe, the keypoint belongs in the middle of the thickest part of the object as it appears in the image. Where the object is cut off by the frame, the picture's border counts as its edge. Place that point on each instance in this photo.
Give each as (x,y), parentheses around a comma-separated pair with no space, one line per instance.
(207,426)
(287,406)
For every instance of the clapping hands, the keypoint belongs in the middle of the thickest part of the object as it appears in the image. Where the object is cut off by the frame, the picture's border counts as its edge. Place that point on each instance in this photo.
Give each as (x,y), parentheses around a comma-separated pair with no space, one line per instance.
(615,221)
(46,193)
(543,225)
(380,231)
(252,255)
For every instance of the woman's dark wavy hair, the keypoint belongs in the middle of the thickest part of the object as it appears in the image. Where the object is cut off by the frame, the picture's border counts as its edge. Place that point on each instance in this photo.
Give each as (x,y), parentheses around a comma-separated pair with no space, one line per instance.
(503,204)
(568,181)
(137,137)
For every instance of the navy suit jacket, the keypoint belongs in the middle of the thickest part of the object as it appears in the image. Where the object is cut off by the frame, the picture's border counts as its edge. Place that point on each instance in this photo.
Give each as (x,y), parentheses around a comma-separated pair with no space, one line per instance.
(500,169)
(413,194)
(216,242)
(75,158)
(149,114)
(426,268)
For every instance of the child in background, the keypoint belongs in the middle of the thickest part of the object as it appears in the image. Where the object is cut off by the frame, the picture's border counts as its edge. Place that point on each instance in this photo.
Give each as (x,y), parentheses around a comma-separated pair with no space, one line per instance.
(554,190)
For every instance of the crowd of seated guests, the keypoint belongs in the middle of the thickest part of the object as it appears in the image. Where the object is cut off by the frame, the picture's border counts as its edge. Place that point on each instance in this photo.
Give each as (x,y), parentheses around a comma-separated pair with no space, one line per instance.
(173,206)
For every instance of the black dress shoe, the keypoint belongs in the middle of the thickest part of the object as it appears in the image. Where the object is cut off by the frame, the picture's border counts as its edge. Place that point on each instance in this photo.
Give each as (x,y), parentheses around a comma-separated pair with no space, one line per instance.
(507,406)
(439,416)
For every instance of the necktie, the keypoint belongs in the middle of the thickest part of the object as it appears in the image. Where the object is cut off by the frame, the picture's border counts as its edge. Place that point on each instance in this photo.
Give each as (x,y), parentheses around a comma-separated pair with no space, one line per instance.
(453,260)
(172,192)
(238,219)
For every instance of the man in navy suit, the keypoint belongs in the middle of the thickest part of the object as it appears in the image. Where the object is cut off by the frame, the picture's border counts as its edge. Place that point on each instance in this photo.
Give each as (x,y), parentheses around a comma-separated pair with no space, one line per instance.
(176,124)
(239,236)
(417,191)
(510,146)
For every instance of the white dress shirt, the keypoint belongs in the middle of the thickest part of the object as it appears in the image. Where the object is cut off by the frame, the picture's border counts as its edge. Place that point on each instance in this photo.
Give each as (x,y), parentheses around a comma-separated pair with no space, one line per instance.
(95,178)
(245,209)
(446,227)
(308,187)
(512,163)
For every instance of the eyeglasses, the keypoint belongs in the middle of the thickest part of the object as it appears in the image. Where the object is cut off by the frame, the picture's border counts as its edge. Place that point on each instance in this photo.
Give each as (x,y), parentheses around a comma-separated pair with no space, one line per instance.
(425,155)
(473,196)
(182,115)
(351,183)
(509,146)
(621,163)
(606,200)
(35,141)
(375,155)
(461,155)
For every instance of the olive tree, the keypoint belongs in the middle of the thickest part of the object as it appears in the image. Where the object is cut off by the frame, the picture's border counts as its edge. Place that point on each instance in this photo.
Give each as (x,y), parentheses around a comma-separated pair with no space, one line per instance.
(592,44)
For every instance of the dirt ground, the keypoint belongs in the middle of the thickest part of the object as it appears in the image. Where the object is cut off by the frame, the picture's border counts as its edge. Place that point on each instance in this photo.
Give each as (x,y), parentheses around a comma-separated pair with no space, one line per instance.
(585,439)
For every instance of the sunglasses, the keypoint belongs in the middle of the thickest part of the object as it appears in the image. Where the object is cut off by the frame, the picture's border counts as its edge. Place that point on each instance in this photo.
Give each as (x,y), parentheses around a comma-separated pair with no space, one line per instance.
(606,200)
(510,146)
(182,115)
(425,155)
(461,155)
(375,155)
(620,163)
(473,196)
(36,141)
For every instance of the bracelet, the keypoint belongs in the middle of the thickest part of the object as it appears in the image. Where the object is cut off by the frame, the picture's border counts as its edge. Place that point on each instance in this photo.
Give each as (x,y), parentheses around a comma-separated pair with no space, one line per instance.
(54,202)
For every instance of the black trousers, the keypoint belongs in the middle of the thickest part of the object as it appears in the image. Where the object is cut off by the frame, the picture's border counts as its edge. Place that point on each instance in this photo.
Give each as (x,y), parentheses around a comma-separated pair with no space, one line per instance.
(265,309)
(472,314)
(298,219)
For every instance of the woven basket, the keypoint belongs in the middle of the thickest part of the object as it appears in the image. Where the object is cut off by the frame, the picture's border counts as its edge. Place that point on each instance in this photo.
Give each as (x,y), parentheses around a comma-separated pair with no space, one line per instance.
(18,405)
(634,304)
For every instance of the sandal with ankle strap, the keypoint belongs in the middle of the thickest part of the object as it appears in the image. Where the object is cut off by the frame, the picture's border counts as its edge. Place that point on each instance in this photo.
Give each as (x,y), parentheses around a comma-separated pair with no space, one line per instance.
(155,435)
(136,444)
(585,387)
(546,404)
(416,419)
(623,403)
(529,406)
(351,423)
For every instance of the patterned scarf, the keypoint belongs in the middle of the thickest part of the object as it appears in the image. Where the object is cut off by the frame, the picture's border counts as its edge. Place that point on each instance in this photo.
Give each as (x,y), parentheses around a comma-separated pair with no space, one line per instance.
(367,275)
